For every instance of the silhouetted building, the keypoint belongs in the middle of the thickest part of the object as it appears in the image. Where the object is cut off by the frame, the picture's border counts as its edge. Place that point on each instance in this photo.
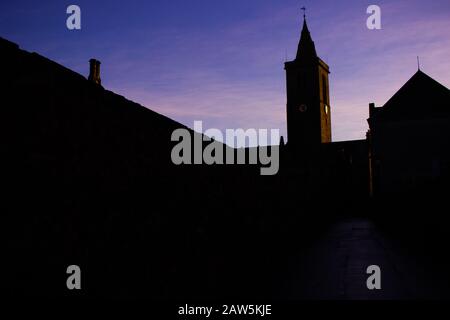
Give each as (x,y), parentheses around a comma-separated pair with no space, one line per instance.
(88,177)
(308,98)
(406,147)
(341,166)
(410,138)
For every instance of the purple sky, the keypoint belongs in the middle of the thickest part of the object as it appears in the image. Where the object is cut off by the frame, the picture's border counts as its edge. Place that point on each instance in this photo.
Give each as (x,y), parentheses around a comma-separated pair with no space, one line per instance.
(222,61)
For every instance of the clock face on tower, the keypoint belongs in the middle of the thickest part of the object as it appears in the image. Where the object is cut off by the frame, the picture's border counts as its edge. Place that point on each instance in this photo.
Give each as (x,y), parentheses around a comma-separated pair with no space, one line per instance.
(302,108)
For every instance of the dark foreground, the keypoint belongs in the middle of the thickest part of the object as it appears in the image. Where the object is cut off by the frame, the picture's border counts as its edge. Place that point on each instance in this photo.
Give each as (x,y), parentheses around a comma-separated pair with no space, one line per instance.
(128,248)
(87,179)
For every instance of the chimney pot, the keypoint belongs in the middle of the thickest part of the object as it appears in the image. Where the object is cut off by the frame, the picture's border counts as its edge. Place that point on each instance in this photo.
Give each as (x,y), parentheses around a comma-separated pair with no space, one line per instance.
(94,71)
(371,109)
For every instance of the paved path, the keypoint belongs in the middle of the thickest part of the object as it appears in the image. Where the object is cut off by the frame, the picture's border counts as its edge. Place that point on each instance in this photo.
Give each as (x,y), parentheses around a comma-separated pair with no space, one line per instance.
(335,267)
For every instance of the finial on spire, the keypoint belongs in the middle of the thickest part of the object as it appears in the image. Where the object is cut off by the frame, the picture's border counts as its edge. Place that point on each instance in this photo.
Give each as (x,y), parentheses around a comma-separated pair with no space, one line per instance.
(306,46)
(418,63)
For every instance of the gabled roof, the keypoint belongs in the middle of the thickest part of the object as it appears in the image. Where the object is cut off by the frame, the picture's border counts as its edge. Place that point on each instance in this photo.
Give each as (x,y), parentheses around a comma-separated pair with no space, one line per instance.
(420,97)
(20,65)
(50,110)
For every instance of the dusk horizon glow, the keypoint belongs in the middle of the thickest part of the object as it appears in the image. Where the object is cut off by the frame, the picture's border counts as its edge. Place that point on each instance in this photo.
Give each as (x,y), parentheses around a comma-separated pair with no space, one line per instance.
(223,62)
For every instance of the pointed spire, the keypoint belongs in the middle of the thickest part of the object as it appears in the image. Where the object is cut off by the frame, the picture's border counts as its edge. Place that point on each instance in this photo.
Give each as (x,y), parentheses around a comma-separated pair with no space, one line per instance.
(306,47)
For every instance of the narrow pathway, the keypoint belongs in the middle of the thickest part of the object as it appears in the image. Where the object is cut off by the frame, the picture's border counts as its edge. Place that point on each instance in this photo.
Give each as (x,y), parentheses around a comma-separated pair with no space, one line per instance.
(334,267)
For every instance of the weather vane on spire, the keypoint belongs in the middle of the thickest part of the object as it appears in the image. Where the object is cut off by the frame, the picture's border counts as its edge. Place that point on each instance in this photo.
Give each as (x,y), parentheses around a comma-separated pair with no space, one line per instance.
(304,12)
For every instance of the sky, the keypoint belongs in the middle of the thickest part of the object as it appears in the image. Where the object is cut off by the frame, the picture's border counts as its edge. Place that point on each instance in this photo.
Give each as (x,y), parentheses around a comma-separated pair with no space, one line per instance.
(221,62)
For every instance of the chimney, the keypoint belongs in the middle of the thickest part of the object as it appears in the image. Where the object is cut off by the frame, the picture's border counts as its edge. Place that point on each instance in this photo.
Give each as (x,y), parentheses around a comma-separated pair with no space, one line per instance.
(371,109)
(94,71)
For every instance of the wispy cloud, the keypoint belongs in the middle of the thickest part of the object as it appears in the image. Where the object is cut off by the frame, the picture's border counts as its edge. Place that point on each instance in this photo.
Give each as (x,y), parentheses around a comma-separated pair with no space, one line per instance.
(222,62)
(236,79)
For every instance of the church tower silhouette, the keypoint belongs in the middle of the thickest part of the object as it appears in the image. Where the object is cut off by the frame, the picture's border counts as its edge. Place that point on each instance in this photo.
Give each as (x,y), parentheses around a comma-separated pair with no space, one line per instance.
(308,98)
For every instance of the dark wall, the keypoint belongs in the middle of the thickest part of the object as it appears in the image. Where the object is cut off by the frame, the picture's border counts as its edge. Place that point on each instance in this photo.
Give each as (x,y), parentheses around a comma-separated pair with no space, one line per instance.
(87,179)
(410,155)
